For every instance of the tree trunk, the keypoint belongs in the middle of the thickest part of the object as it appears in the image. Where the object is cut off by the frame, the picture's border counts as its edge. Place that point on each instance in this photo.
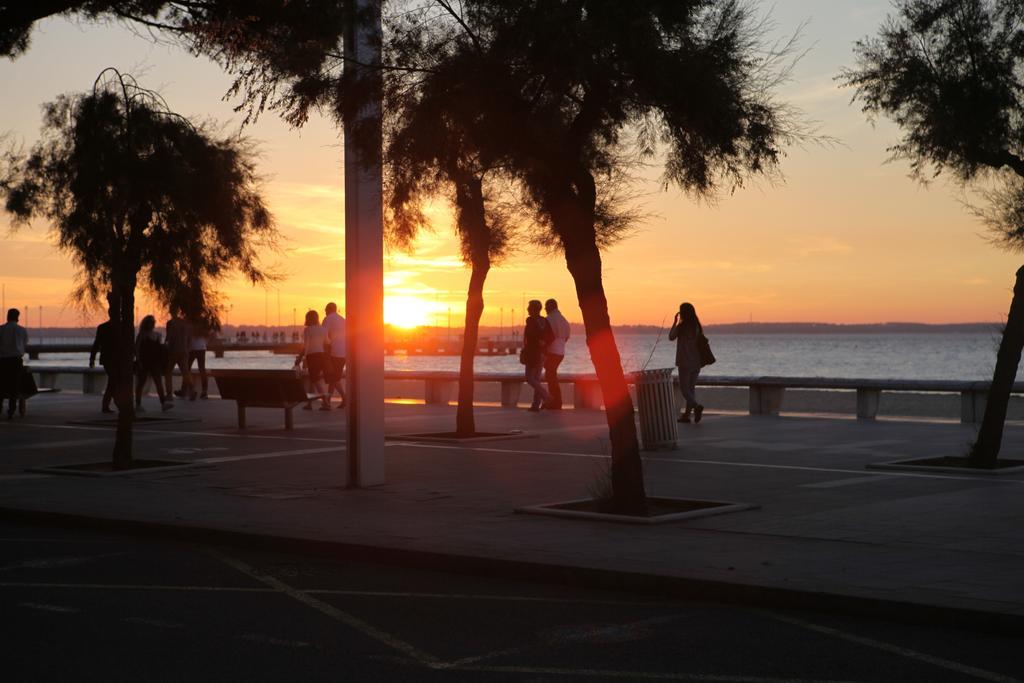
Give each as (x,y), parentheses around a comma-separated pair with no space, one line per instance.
(584,263)
(990,437)
(122,303)
(465,424)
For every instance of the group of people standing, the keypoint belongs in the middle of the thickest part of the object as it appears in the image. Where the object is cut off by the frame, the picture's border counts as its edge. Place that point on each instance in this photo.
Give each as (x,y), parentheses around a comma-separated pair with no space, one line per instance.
(156,358)
(544,339)
(323,354)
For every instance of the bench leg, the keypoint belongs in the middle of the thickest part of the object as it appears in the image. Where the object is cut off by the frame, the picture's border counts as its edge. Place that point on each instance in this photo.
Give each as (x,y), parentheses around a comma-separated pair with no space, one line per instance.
(438,392)
(510,393)
(867,403)
(972,405)
(241,415)
(766,400)
(587,395)
(289,422)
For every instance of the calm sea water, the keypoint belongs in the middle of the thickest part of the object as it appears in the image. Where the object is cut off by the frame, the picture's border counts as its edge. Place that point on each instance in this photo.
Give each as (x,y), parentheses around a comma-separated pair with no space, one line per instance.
(965,356)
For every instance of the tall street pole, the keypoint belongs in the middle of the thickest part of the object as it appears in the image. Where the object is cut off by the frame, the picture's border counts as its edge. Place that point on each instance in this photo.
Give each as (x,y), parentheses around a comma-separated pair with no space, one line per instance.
(364,245)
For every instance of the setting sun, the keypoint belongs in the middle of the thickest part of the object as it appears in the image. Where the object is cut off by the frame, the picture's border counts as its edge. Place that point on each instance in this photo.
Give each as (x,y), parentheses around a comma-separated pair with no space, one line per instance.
(405,311)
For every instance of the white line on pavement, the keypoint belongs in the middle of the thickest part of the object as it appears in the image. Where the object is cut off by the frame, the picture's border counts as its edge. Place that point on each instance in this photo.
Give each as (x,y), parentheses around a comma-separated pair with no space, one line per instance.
(331,611)
(42,607)
(54,562)
(950,665)
(332,591)
(146,621)
(473,596)
(170,432)
(689,461)
(646,675)
(273,454)
(114,586)
(835,483)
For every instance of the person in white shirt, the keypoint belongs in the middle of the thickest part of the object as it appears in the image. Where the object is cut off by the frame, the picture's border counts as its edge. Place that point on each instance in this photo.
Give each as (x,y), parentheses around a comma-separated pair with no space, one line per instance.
(555,352)
(314,338)
(197,354)
(13,345)
(334,323)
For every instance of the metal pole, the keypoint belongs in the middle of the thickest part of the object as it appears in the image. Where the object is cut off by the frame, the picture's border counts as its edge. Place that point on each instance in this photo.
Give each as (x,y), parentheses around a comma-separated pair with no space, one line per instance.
(364,248)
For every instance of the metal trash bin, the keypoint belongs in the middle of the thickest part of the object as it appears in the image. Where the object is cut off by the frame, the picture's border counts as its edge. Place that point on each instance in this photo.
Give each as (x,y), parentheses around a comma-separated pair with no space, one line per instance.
(656,401)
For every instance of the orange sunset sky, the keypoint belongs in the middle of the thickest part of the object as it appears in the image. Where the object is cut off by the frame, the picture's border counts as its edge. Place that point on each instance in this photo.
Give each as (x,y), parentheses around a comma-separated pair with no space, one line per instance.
(846,238)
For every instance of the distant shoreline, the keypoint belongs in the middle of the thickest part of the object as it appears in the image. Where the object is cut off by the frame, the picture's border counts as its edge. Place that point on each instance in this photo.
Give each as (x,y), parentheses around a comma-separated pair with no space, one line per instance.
(577,329)
(835,328)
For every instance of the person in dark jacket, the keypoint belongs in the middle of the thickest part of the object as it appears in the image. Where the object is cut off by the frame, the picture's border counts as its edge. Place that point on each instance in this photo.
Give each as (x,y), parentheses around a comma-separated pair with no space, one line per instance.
(686,330)
(13,347)
(151,357)
(537,335)
(105,344)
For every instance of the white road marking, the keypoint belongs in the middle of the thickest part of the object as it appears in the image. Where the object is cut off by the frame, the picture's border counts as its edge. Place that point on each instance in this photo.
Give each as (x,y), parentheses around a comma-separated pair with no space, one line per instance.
(168,432)
(473,596)
(270,640)
(159,623)
(55,562)
(332,591)
(19,477)
(272,454)
(646,675)
(331,611)
(690,461)
(146,587)
(947,664)
(43,607)
(583,636)
(836,483)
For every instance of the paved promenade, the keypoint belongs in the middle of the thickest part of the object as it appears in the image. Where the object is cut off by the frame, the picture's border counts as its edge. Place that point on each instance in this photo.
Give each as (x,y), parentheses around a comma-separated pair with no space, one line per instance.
(828,533)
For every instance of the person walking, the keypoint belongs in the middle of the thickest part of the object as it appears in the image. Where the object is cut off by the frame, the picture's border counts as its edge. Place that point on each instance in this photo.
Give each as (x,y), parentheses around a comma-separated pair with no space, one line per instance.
(179,339)
(13,346)
(314,350)
(536,338)
(334,323)
(686,332)
(151,359)
(555,352)
(197,354)
(105,344)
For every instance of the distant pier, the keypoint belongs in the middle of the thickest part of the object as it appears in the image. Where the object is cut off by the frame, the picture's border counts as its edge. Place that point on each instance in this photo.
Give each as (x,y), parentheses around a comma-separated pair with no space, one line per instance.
(412,347)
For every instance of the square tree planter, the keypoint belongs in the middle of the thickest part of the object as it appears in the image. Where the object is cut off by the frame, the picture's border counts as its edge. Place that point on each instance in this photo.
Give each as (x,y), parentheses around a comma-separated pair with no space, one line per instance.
(659,510)
(950,464)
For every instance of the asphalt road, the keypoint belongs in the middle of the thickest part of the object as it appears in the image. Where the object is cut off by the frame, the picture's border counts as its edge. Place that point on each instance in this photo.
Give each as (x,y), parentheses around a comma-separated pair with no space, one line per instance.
(83,606)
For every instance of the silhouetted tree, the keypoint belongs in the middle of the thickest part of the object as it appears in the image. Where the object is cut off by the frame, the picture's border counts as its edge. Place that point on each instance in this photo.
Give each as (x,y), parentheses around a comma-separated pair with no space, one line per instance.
(139,196)
(583,90)
(432,152)
(948,72)
(579,90)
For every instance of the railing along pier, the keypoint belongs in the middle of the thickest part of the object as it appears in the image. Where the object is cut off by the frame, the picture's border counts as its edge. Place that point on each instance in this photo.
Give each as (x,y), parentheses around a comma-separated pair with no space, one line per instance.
(766,394)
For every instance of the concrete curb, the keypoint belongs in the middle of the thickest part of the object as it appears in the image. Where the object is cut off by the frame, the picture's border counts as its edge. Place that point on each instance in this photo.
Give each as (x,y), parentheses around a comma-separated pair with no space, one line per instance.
(699,590)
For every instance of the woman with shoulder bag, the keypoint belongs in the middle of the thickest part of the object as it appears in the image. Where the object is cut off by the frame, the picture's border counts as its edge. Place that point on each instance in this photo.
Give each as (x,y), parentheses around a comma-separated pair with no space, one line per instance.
(692,353)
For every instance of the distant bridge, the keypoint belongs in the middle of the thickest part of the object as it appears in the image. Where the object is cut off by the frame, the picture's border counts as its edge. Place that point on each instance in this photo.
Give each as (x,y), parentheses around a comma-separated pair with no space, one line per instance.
(422,347)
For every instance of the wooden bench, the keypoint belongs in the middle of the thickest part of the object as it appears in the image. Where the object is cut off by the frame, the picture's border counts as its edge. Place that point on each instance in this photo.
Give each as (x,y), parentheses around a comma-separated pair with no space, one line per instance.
(262,389)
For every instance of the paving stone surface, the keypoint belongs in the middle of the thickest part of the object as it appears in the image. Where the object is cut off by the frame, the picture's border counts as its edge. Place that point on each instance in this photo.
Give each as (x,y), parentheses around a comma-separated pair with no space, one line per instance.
(825,524)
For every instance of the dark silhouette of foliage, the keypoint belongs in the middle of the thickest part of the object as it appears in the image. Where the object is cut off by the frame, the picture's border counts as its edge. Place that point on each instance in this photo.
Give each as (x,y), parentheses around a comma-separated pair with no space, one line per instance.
(948,73)
(433,151)
(563,96)
(139,196)
(582,90)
